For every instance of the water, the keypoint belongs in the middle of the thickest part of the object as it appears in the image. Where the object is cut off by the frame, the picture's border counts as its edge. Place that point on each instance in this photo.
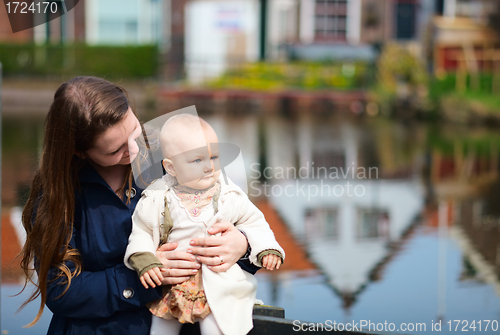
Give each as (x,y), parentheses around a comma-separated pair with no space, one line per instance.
(12,320)
(382,222)
(408,292)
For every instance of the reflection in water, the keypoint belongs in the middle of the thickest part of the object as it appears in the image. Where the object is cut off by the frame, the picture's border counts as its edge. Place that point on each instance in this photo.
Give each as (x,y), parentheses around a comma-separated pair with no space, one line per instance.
(477,230)
(13,321)
(351,205)
(21,139)
(368,226)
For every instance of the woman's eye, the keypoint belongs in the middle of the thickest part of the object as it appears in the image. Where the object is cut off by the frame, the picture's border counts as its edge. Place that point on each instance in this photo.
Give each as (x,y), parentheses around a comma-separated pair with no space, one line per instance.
(115,152)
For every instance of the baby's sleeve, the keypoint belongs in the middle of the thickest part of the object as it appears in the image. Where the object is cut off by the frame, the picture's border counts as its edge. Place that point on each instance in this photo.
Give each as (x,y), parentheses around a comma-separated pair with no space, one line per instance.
(145,223)
(260,237)
(142,262)
(264,253)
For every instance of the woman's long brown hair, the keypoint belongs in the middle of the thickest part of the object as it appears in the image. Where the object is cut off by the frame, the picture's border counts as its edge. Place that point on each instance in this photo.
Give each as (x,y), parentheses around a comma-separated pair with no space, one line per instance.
(83,108)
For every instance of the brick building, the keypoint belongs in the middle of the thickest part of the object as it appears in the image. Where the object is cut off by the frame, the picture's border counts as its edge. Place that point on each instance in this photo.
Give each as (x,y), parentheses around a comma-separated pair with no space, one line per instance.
(6,34)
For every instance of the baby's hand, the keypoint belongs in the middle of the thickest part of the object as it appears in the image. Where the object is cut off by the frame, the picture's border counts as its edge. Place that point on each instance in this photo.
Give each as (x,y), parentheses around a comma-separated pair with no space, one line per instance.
(271,262)
(151,277)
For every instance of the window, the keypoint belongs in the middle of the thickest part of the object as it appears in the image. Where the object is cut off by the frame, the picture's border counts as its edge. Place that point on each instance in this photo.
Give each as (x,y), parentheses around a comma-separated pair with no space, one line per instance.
(372,223)
(406,19)
(328,151)
(118,32)
(328,164)
(330,20)
(321,223)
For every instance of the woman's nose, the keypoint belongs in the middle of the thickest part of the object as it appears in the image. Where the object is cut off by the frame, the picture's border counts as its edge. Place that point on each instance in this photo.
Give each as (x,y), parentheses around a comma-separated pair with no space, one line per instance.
(132,147)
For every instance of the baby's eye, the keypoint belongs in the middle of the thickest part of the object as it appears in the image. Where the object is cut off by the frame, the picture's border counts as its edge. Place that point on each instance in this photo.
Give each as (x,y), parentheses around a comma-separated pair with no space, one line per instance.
(214,157)
(197,161)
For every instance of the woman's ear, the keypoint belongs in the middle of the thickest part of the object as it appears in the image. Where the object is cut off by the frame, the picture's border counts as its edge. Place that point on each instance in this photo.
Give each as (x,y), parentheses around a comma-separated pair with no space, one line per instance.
(79,154)
(169,167)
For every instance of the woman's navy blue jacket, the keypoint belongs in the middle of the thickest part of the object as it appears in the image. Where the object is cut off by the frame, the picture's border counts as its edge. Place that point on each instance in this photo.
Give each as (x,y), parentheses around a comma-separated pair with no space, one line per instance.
(107,297)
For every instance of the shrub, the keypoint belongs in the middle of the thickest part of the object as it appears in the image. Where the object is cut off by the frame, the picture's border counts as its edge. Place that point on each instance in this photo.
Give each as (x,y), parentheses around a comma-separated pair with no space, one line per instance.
(79,59)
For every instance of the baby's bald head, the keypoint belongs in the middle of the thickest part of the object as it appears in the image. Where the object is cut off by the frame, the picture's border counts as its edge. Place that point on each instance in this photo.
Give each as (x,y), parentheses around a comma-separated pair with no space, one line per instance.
(182,133)
(190,150)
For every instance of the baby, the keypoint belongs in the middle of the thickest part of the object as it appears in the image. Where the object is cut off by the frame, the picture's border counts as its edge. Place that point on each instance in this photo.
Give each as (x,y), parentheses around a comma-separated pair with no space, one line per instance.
(186,209)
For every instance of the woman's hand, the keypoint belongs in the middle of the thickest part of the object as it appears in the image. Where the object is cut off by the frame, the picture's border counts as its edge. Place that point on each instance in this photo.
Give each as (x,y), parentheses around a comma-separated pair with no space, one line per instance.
(179,266)
(220,252)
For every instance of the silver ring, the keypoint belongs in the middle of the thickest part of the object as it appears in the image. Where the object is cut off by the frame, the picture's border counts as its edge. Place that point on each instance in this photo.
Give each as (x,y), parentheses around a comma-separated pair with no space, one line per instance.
(221,261)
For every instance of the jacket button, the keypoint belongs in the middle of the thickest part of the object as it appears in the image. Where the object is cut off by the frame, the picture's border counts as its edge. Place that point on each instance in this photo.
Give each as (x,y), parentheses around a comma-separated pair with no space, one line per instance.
(128,293)
(130,193)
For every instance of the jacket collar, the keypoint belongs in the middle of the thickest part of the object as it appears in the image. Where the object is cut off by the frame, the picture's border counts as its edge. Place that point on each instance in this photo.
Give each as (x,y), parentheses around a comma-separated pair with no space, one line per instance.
(88,174)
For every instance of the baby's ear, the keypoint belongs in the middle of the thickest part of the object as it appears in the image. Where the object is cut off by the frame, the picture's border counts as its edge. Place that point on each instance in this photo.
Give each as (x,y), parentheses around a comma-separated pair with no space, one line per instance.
(169,167)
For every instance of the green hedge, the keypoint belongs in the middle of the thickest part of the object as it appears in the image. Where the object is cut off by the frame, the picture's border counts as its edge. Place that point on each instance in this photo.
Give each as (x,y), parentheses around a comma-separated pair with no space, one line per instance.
(79,59)
(447,84)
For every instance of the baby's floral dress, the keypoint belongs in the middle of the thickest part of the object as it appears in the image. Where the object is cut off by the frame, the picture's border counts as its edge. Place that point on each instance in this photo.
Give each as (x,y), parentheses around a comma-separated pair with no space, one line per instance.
(186,302)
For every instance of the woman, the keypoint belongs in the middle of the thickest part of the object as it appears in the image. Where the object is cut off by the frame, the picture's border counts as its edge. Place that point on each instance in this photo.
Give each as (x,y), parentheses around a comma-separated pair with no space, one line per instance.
(78,218)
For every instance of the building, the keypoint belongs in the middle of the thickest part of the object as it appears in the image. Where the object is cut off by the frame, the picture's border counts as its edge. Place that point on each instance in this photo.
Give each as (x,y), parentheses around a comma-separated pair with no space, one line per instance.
(65,24)
(6,34)
(221,33)
(463,38)
(112,22)
(124,22)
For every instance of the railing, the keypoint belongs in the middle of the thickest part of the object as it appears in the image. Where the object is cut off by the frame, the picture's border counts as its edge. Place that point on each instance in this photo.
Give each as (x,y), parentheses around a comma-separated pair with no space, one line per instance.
(269,320)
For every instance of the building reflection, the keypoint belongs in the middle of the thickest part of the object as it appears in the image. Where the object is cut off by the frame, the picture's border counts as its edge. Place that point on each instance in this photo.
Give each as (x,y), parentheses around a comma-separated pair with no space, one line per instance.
(327,191)
(350,239)
(477,231)
(12,240)
(464,177)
